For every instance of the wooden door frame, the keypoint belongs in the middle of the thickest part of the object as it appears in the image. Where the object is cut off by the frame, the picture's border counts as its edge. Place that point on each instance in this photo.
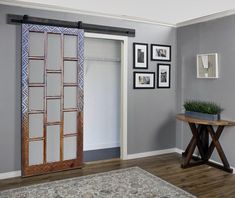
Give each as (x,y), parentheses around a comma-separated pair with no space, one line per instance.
(29,170)
(124,86)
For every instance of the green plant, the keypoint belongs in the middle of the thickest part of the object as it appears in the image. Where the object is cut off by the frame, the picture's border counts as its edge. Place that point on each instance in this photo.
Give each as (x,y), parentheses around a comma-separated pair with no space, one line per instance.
(202,107)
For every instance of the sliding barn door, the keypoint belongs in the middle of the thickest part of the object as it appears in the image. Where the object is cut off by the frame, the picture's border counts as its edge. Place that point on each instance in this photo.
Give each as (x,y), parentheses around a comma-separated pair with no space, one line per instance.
(52,98)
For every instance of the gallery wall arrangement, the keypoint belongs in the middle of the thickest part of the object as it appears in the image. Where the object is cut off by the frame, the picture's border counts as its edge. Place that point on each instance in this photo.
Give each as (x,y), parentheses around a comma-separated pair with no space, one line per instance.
(146,80)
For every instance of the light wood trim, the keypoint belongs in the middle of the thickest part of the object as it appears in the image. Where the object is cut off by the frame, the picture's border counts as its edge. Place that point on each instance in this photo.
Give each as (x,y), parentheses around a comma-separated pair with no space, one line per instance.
(62,100)
(51,167)
(70,59)
(53,123)
(189,119)
(36,139)
(50,71)
(53,97)
(36,112)
(36,57)
(70,110)
(45,102)
(36,84)
(70,135)
(70,84)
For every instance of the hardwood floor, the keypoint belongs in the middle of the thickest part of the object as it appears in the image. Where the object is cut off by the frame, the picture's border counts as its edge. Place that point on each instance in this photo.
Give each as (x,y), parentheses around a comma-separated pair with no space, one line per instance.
(202,181)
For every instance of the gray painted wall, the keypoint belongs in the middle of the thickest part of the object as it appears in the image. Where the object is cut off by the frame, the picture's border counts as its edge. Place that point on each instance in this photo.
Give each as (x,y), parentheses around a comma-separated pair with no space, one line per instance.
(151,113)
(212,36)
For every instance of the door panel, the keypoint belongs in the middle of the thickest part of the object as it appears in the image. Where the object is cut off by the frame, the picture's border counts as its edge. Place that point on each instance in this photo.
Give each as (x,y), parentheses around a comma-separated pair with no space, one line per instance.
(54,52)
(53,143)
(70,94)
(36,71)
(70,122)
(53,111)
(70,145)
(70,46)
(52,99)
(36,44)
(70,71)
(53,84)
(35,152)
(35,125)
(36,98)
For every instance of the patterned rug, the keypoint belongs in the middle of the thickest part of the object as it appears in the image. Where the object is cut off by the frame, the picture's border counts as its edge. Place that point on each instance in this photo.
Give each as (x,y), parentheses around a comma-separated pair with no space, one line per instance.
(131,182)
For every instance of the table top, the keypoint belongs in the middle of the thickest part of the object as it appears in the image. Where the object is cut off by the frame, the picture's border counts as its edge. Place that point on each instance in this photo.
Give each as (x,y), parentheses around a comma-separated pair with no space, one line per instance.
(189,119)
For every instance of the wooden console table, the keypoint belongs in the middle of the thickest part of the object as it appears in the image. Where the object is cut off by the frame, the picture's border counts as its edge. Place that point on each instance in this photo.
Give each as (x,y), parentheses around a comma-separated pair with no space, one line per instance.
(201,130)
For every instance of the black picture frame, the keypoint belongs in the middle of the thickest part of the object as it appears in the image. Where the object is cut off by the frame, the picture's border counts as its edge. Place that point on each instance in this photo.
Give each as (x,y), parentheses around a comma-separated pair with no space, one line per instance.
(140,56)
(163,79)
(149,76)
(160,52)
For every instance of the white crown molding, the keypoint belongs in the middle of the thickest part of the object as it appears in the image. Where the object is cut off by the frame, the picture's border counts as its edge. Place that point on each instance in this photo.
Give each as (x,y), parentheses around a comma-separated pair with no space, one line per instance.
(77,11)
(206,18)
(120,17)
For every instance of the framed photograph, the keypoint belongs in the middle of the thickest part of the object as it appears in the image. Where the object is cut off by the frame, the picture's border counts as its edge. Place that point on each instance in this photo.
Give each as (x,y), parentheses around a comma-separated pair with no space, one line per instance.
(160,52)
(164,75)
(207,66)
(140,54)
(144,80)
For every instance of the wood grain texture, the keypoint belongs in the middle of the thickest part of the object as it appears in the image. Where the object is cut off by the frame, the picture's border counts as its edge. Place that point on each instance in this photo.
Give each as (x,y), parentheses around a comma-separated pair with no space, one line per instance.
(189,119)
(202,181)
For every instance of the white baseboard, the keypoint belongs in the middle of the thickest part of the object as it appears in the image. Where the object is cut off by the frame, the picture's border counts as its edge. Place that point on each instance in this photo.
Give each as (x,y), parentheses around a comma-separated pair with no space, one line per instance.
(150,153)
(10,175)
(129,156)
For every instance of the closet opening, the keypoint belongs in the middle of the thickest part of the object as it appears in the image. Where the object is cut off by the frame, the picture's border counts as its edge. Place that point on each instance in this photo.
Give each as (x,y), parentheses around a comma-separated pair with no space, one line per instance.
(103,98)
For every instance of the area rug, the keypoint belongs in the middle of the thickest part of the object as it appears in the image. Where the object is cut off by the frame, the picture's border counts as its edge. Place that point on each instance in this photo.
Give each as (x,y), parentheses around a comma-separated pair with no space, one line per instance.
(131,182)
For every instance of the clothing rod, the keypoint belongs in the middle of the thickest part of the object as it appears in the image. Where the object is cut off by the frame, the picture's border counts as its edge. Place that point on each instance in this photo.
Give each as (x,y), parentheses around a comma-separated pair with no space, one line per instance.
(102,59)
(15,19)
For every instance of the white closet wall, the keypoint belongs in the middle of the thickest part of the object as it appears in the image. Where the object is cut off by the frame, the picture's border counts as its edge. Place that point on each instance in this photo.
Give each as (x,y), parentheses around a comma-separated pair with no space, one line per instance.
(102,94)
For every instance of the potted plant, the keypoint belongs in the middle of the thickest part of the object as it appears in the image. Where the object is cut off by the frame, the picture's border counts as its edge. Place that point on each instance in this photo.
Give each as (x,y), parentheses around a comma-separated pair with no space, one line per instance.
(202,110)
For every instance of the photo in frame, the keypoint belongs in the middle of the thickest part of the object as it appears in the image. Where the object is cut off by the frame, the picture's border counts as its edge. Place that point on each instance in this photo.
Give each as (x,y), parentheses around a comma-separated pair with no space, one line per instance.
(140,56)
(144,80)
(163,75)
(160,52)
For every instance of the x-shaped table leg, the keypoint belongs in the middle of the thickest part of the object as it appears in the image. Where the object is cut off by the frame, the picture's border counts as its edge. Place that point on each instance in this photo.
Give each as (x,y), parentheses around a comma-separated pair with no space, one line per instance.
(216,144)
(195,141)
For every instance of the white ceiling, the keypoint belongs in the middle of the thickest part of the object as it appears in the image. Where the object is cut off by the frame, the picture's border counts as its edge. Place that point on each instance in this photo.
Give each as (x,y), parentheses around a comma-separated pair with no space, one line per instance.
(168,12)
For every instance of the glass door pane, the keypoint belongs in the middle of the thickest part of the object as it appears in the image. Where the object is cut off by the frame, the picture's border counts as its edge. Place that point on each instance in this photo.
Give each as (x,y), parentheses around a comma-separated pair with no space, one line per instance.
(36,98)
(53,84)
(54,58)
(36,44)
(70,46)
(35,125)
(70,148)
(53,143)
(70,71)
(70,122)
(36,71)
(35,152)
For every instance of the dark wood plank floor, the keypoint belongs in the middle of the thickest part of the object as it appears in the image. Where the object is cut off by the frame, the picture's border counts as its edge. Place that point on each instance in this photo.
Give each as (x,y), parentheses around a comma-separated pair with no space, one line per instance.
(202,181)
